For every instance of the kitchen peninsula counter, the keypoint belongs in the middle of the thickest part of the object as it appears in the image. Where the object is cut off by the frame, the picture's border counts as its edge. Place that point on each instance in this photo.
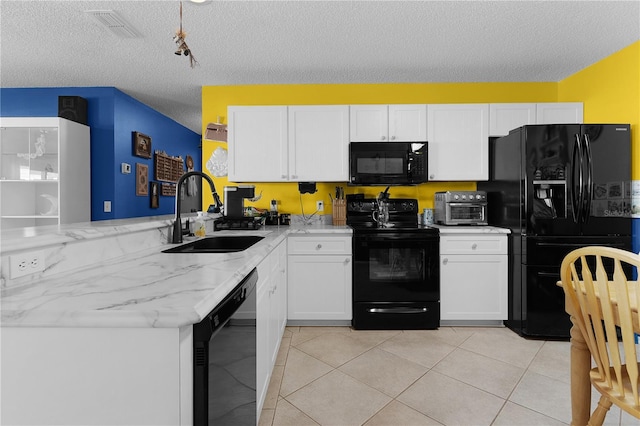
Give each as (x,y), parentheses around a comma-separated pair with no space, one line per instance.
(104,334)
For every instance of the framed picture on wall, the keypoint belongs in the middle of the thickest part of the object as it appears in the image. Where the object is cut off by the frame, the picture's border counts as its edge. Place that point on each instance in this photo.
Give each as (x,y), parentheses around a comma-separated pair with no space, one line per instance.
(142,179)
(155,195)
(141,145)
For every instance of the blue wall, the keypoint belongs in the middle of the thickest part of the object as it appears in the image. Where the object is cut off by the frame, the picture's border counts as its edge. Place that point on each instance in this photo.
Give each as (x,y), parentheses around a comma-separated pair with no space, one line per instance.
(112,116)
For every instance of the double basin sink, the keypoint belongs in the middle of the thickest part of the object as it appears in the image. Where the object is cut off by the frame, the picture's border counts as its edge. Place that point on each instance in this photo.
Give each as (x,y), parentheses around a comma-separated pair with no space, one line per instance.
(222,244)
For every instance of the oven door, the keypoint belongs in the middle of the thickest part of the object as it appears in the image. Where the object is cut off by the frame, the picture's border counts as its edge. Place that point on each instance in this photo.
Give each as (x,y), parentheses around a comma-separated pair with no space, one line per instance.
(466,214)
(396,267)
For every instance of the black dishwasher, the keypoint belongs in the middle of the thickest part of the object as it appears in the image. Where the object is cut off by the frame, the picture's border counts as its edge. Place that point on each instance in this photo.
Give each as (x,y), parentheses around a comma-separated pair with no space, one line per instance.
(224,361)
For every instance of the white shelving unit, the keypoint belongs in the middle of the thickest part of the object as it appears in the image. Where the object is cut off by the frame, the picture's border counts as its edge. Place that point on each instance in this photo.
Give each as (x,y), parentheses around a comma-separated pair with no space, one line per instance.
(45,175)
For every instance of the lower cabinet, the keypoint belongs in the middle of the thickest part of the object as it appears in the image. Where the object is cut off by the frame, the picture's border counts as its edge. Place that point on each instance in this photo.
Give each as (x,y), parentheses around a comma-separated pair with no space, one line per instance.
(271,316)
(473,278)
(319,282)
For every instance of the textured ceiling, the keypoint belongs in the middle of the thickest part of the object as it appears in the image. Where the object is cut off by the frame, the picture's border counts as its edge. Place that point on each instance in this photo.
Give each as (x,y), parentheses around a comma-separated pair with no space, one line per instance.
(54,44)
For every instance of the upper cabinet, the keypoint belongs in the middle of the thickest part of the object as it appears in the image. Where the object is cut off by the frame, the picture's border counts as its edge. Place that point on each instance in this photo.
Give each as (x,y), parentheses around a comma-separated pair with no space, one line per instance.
(505,117)
(319,143)
(257,143)
(559,112)
(458,136)
(388,123)
(44,172)
(288,144)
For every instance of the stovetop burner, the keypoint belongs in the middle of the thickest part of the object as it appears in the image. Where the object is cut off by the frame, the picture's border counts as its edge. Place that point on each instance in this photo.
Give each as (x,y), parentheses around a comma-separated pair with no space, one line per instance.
(403,214)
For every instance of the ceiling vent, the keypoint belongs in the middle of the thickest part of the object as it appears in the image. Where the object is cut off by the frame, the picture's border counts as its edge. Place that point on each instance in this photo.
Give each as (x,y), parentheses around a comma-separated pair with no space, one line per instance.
(114,23)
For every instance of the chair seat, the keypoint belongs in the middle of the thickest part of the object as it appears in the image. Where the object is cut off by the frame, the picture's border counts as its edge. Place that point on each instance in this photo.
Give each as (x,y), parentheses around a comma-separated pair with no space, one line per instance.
(624,399)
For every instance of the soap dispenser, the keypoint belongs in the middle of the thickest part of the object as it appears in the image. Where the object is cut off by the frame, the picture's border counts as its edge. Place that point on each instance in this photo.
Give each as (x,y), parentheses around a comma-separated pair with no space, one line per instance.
(200,228)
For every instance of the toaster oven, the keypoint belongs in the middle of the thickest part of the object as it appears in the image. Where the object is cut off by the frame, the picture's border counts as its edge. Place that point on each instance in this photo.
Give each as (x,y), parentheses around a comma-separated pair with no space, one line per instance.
(461,208)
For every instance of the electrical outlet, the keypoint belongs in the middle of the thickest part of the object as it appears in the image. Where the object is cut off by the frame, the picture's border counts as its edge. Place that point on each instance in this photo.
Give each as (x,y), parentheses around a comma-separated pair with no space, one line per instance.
(320,206)
(107,207)
(24,264)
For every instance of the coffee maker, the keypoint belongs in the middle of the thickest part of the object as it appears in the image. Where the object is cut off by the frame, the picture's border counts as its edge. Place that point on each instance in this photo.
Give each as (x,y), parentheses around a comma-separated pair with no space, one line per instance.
(234,197)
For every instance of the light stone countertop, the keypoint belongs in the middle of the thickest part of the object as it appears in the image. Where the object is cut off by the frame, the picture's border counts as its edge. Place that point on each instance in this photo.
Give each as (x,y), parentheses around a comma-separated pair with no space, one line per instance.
(464,229)
(145,288)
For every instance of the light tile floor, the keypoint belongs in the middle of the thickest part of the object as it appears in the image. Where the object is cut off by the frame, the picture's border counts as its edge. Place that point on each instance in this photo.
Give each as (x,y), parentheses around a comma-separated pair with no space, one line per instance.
(336,376)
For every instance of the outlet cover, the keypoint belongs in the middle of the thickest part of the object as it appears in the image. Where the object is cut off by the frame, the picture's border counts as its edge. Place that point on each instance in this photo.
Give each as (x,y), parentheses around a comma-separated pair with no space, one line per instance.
(24,264)
(320,206)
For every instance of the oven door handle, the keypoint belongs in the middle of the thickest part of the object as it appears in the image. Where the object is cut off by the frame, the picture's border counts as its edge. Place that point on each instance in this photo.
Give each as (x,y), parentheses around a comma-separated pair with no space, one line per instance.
(404,238)
(398,310)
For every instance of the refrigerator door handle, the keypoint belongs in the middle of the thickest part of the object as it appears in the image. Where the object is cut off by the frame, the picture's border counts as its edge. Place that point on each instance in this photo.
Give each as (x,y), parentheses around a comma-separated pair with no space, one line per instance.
(576,197)
(589,186)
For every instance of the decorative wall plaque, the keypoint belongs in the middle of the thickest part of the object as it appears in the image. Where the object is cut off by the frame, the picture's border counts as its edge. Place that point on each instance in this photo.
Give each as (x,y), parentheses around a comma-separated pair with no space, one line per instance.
(141,145)
(142,179)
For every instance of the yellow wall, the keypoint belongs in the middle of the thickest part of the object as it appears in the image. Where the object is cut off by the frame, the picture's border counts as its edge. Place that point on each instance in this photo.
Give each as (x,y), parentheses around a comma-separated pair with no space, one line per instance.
(215,100)
(610,91)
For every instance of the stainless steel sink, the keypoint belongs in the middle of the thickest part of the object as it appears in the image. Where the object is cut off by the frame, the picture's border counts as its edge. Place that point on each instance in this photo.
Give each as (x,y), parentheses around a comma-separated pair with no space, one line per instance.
(223,244)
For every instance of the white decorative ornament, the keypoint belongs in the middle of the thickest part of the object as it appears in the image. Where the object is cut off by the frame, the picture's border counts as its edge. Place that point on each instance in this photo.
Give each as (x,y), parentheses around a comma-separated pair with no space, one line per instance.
(217,163)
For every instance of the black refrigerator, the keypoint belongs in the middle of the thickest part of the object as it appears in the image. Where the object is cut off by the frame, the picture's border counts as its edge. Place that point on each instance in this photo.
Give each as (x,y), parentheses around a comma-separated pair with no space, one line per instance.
(557,187)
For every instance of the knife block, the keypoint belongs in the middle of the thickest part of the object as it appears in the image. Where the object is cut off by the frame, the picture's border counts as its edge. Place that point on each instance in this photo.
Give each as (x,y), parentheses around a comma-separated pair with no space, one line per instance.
(339,215)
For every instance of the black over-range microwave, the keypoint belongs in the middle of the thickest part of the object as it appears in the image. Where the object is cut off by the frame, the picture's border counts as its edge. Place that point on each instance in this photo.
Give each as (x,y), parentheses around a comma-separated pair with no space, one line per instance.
(387,163)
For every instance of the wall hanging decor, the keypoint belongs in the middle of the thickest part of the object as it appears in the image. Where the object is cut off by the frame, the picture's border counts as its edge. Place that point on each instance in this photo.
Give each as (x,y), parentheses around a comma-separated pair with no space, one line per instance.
(168,169)
(167,189)
(155,195)
(142,179)
(141,145)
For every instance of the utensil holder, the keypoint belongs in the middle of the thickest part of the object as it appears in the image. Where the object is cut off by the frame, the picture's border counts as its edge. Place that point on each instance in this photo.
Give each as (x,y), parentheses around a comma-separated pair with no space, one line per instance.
(339,216)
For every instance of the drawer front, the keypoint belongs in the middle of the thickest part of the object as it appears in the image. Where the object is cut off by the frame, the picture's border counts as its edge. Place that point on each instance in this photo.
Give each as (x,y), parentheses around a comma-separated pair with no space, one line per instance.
(473,244)
(314,244)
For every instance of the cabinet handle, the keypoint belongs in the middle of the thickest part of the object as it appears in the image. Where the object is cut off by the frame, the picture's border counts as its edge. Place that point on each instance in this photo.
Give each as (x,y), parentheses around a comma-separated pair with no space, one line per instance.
(347,260)
(384,137)
(432,176)
(284,176)
(319,246)
(294,176)
(474,246)
(392,138)
(445,261)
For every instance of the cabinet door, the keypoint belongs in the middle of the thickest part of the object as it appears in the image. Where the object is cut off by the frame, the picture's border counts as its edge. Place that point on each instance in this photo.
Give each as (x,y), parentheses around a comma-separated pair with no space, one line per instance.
(408,123)
(319,143)
(458,136)
(368,123)
(559,113)
(319,287)
(257,144)
(473,287)
(506,117)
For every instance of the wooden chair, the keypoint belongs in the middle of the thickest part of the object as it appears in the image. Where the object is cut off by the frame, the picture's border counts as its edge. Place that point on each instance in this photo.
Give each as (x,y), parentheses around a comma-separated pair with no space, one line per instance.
(597,284)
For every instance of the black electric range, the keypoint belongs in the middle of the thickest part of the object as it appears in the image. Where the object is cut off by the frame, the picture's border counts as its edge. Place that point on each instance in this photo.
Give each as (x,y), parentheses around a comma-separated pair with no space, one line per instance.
(396,272)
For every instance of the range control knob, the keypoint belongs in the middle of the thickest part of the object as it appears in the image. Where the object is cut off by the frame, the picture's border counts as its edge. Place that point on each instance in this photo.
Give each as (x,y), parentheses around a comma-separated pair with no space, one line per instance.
(478,197)
(456,196)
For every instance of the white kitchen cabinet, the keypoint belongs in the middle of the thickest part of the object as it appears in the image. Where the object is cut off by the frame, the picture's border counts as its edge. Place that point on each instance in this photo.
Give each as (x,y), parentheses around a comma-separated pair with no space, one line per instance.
(473,277)
(559,113)
(319,282)
(388,123)
(271,316)
(257,144)
(506,117)
(288,144)
(319,143)
(44,172)
(458,136)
